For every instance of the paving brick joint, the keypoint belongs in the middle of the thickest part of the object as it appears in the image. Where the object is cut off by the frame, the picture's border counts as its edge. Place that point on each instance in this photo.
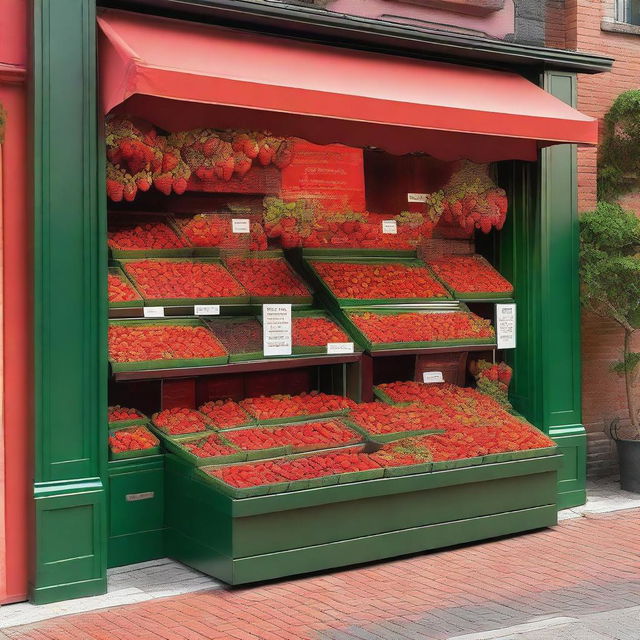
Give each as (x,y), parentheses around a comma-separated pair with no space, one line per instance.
(580,579)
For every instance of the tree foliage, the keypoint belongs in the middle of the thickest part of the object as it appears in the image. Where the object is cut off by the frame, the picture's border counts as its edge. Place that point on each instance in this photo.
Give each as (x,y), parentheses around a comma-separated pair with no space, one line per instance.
(619,152)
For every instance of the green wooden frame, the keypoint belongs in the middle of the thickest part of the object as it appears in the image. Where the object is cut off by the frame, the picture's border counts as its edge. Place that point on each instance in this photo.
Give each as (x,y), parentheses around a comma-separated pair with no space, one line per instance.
(538,250)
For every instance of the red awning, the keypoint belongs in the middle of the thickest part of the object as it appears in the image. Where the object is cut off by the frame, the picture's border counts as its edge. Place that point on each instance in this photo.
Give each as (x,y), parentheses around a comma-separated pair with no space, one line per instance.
(229,78)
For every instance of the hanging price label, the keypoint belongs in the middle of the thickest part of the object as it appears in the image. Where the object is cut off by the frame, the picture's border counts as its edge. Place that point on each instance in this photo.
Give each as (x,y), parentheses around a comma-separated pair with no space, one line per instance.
(416,197)
(153,312)
(240,225)
(276,329)
(389,226)
(431,377)
(206,310)
(339,347)
(506,326)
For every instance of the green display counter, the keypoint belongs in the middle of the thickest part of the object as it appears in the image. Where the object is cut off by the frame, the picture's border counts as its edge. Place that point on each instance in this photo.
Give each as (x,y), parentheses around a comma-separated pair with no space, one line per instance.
(265,537)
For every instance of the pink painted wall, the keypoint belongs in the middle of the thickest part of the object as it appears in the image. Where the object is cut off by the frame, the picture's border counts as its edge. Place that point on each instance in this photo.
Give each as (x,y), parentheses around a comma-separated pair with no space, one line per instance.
(497,24)
(15,314)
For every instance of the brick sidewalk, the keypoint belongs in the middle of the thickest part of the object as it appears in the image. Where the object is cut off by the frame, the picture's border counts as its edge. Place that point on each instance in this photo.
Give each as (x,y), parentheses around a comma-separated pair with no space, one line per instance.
(583,566)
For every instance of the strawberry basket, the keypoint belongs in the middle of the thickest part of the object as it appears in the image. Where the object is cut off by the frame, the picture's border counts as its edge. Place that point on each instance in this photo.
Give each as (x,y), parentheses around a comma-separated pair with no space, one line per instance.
(141,344)
(205,449)
(132,442)
(121,292)
(146,236)
(178,422)
(119,417)
(184,282)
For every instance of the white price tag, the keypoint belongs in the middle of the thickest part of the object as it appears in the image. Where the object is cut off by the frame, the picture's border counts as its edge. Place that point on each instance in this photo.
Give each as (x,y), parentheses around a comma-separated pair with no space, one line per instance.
(154,312)
(431,377)
(276,329)
(240,225)
(206,310)
(416,197)
(339,347)
(506,326)
(389,226)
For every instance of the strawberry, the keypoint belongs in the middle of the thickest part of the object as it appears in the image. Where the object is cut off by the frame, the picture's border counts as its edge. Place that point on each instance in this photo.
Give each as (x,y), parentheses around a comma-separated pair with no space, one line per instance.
(163,183)
(115,190)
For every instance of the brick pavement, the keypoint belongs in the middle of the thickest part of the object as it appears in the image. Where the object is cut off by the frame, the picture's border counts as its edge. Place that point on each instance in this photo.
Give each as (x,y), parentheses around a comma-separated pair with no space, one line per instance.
(585,566)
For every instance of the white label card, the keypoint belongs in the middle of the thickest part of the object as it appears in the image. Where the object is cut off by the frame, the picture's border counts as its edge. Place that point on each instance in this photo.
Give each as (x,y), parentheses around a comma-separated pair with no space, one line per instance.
(276,329)
(506,326)
(339,347)
(206,310)
(431,377)
(389,226)
(416,197)
(154,312)
(240,225)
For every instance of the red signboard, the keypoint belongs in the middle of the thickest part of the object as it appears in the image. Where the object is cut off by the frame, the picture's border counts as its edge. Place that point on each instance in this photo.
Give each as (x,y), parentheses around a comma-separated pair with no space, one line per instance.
(331,175)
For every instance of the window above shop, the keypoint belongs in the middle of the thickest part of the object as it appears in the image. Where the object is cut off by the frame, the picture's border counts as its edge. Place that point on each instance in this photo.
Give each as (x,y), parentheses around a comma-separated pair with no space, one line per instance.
(628,11)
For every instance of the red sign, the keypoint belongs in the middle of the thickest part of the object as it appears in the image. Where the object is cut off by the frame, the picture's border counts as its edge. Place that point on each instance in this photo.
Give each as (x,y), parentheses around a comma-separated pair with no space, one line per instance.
(331,175)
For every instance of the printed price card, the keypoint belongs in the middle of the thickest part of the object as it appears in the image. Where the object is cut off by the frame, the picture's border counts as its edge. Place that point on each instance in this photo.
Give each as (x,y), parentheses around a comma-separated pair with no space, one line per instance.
(506,326)
(240,225)
(206,310)
(339,347)
(276,329)
(416,197)
(389,226)
(431,377)
(154,312)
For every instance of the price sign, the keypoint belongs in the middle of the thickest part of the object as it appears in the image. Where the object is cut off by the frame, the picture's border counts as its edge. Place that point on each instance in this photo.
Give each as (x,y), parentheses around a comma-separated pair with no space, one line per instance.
(240,225)
(206,310)
(431,377)
(389,226)
(416,197)
(340,347)
(154,312)
(276,329)
(506,326)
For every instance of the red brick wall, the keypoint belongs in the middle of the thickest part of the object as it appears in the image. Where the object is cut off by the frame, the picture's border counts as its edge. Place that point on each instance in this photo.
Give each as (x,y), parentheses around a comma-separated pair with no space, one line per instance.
(603,391)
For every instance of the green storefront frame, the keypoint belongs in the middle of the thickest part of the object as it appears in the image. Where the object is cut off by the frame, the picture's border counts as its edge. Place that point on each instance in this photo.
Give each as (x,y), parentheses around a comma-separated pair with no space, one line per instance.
(538,250)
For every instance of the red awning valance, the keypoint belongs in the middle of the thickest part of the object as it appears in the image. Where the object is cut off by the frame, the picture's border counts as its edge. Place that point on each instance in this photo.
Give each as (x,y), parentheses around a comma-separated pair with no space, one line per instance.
(229,78)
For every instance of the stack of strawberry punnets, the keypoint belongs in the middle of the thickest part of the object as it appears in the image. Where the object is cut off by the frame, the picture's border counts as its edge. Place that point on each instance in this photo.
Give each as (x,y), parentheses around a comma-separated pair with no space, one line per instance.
(472,200)
(190,279)
(266,277)
(132,439)
(180,421)
(285,406)
(119,290)
(422,327)
(372,281)
(301,468)
(239,335)
(316,332)
(216,230)
(493,380)
(380,418)
(211,446)
(161,342)
(306,436)
(116,413)
(225,414)
(147,235)
(470,274)
(213,154)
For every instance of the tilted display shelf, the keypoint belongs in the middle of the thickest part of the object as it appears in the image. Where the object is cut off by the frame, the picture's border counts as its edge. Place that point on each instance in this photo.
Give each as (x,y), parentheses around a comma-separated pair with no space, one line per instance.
(187,302)
(466,344)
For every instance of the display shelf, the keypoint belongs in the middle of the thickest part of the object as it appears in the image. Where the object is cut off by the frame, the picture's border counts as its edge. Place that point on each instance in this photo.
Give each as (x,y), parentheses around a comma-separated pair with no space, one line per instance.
(425,350)
(272,364)
(189,311)
(340,524)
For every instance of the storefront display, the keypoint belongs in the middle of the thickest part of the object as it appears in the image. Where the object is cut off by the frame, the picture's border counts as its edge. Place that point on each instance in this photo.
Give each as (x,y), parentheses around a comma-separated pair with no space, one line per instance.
(279,265)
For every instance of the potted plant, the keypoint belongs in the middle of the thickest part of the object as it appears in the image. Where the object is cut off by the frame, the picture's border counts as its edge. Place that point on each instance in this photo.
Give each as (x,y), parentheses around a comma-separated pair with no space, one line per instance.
(610,275)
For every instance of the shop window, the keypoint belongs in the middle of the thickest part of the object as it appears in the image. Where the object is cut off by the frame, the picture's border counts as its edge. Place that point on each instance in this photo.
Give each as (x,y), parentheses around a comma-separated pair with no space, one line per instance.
(628,11)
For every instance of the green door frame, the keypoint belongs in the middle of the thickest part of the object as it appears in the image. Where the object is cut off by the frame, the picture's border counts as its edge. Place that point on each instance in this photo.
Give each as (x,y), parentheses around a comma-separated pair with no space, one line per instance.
(70,260)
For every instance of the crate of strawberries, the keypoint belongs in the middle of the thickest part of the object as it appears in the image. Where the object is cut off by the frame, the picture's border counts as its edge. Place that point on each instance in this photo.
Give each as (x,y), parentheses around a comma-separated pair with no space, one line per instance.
(120,291)
(119,416)
(146,236)
(132,442)
(313,332)
(211,447)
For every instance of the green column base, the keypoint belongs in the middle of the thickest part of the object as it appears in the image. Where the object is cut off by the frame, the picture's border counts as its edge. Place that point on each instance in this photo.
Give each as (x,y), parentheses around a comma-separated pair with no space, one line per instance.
(70,541)
(572,441)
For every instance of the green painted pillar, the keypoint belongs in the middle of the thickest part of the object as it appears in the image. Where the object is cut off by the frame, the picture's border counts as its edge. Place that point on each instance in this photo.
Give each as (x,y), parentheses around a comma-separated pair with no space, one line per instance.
(539,251)
(70,368)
